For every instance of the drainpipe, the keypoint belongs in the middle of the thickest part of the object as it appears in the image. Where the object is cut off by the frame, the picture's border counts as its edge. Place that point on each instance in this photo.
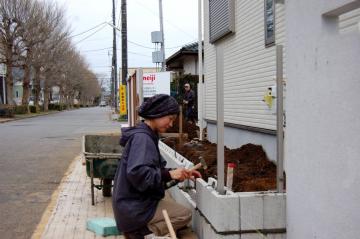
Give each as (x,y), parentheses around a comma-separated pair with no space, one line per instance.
(200,73)
(279,120)
(220,117)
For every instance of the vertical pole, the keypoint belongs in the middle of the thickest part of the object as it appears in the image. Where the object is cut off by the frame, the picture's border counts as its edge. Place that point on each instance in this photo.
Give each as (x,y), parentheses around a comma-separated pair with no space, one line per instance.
(162,49)
(180,121)
(112,83)
(139,75)
(139,83)
(280,119)
(200,73)
(124,53)
(220,117)
(116,102)
(124,58)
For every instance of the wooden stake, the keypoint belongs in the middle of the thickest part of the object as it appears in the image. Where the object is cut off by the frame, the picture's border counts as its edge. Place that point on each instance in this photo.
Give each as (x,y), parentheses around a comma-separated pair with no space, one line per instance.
(180,125)
(168,224)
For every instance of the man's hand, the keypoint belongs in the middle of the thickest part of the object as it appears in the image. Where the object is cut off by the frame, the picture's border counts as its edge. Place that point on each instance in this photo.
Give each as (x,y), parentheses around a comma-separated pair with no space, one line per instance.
(185,102)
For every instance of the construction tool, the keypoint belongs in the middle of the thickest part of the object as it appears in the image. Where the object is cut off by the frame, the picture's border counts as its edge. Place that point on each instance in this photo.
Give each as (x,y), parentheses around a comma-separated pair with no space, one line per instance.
(202,164)
(169,225)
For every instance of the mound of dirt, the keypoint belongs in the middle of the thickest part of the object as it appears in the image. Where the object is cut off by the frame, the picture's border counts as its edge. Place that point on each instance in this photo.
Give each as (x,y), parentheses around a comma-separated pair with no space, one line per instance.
(253,171)
(189,128)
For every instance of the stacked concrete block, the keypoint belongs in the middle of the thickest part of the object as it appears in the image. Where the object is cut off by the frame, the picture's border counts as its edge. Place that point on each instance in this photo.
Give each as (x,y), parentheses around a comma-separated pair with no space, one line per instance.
(245,215)
(174,159)
(222,211)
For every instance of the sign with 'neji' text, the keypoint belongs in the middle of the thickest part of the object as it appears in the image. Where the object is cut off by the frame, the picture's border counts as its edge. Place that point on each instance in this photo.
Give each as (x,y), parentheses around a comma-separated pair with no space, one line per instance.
(122,94)
(156,83)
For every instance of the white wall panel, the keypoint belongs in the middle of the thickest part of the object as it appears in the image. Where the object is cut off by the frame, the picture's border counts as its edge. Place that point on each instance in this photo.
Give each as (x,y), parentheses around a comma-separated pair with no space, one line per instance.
(249,67)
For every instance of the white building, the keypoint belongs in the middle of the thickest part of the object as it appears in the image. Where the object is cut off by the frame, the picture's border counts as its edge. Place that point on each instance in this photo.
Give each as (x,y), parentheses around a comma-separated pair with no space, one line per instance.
(249,69)
(184,61)
(323,119)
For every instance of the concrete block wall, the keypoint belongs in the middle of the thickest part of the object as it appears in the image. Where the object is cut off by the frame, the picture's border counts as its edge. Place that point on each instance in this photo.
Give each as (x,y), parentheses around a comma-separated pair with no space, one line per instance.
(249,211)
(173,159)
(222,211)
(234,215)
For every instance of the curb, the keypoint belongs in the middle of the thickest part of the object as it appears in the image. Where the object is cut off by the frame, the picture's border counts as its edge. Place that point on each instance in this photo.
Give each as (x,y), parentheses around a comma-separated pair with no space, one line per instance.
(31,116)
(40,228)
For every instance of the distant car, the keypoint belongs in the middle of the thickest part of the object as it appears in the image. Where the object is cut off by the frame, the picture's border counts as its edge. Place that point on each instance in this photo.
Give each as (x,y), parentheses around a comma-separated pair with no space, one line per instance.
(102,104)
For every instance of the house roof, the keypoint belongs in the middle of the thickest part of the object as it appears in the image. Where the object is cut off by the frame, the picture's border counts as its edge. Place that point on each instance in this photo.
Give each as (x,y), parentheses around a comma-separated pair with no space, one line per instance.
(189,49)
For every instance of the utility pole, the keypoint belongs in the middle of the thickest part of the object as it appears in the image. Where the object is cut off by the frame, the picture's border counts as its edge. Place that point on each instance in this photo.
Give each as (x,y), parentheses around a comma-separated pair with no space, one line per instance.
(124,56)
(114,62)
(162,49)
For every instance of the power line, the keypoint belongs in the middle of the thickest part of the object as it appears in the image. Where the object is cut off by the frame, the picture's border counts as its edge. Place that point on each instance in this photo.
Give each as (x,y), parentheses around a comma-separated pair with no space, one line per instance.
(102,49)
(87,30)
(139,54)
(90,35)
(152,48)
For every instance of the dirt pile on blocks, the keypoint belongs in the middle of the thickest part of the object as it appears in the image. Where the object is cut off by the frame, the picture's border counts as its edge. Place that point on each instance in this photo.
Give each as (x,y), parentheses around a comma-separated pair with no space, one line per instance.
(253,171)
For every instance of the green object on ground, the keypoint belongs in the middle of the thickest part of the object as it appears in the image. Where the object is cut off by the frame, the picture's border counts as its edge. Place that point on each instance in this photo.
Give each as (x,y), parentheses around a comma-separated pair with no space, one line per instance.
(102,226)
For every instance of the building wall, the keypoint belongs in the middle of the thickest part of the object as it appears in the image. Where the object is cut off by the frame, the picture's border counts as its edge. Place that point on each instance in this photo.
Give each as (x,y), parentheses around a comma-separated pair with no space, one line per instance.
(235,137)
(2,83)
(249,66)
(249,69)
(18,92)
(323,114)
(190,65)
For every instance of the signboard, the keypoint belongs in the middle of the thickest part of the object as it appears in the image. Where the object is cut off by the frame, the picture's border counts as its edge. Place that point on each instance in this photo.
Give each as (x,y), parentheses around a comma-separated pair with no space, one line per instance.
(122,94)
(156,83)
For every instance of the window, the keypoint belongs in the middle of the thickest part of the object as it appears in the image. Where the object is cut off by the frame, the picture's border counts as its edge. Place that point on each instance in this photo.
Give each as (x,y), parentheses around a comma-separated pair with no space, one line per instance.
(269,20)
(17,94)
(221,18)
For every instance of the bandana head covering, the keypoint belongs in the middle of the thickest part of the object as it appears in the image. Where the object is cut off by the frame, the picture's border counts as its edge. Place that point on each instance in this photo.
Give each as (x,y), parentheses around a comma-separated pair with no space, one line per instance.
(158,106)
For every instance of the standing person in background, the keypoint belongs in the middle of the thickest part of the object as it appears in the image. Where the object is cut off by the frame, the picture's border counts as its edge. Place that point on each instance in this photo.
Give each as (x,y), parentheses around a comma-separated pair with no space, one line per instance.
(139,183)
(189,103)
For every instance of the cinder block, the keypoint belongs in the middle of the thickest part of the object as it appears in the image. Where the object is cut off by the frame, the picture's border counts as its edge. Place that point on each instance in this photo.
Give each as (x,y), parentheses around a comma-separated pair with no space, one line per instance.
(229,216)
(198,220)
(274,211)
(251,211)
(102,226)
(173,159)
(222,211)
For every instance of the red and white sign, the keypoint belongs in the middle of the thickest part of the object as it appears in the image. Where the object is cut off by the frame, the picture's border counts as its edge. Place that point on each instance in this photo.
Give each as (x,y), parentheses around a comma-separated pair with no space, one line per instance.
(156,83)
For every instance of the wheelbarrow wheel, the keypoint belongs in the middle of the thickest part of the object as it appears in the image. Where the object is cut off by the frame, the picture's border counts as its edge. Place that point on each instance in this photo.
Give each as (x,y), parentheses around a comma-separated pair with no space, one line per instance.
(106,189)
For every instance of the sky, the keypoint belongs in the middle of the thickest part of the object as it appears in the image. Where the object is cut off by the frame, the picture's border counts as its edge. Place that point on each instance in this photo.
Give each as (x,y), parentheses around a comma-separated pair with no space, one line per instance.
(180,21)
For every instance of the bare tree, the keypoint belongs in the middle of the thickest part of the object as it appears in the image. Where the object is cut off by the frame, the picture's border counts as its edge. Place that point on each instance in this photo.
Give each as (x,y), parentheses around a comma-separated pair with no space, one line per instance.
(34,35)
(45,54)
(44,17)
(12,14)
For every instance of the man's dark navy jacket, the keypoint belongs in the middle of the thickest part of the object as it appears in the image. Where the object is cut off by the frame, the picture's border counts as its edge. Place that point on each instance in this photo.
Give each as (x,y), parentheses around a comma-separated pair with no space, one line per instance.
(139,180)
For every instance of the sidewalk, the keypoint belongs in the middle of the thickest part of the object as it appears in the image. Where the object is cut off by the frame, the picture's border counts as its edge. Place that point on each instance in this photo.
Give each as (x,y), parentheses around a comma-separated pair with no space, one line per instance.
(71,207)
(25,116)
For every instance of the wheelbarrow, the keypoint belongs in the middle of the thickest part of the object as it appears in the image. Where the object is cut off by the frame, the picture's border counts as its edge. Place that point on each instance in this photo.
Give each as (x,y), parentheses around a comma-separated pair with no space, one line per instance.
(102,153)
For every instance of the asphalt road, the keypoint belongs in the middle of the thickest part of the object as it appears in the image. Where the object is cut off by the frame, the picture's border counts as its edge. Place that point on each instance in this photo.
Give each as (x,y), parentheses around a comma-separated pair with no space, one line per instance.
(34,155)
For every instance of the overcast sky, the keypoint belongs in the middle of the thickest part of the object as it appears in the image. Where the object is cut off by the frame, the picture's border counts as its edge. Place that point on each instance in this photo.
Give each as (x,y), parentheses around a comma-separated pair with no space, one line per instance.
(180,28)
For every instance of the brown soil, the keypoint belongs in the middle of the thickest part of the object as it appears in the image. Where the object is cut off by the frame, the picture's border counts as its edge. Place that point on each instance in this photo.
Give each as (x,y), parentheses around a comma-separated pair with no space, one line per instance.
(253,171)
(188,128)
